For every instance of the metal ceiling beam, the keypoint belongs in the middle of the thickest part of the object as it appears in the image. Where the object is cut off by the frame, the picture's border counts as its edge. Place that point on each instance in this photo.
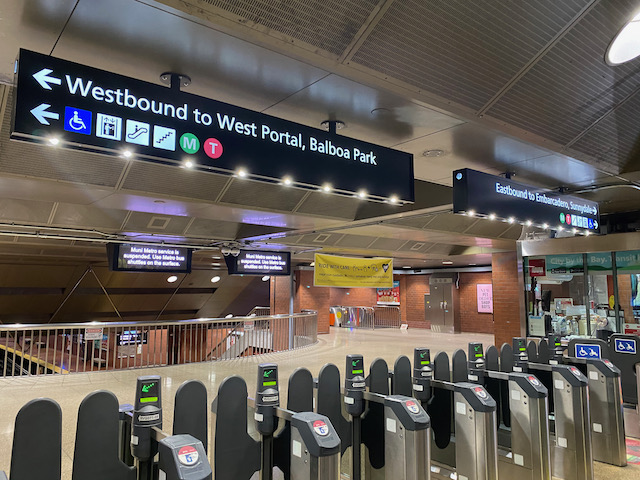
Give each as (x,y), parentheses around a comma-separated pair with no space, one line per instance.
(365,30)
(523,71)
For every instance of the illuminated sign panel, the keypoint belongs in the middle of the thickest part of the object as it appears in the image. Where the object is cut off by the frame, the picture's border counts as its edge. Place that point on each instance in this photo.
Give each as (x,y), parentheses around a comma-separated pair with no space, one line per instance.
(259,262)
(92,109)
(124,257)
(486,195)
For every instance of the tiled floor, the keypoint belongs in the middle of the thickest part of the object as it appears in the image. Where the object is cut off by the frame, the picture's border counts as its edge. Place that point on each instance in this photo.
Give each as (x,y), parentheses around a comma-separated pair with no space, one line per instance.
(69,390)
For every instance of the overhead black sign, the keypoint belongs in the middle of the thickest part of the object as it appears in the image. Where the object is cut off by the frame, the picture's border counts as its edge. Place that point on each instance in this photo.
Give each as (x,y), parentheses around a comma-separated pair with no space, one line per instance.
(486,195)
(84,107)
(126,257)
(259,262)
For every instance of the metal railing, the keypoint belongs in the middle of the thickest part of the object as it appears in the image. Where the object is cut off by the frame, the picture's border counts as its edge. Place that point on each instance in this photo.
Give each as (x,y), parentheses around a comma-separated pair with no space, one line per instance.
(386,316)
(367,317)
(260,311)
(88,347)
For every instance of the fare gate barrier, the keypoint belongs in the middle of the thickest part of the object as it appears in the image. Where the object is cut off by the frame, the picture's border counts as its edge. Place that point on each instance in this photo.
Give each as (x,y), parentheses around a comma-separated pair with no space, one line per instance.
(98,452)
(392,430)
(624,352)
(305,447)
(523,432)
(605,397)
(474,442)
(569,421)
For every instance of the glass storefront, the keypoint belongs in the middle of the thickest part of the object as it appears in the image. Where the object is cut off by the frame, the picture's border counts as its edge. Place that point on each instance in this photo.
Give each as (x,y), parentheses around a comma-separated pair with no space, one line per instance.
(584,294)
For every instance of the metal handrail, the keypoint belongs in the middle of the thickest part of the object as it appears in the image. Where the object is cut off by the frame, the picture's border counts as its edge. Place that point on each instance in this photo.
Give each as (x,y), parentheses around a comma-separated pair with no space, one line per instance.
(62,348)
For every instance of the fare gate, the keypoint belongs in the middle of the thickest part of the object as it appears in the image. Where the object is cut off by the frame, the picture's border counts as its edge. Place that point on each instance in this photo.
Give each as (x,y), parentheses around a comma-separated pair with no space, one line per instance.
(605,397)
(523,433)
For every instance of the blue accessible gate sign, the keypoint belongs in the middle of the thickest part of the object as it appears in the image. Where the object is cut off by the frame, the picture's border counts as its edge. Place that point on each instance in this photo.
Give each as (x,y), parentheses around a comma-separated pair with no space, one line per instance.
(624,345)
(588,351)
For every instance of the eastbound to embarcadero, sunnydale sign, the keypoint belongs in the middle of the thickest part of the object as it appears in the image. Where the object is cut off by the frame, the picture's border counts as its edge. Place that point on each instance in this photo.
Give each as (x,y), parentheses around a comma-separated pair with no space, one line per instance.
(87,108)
(477,193)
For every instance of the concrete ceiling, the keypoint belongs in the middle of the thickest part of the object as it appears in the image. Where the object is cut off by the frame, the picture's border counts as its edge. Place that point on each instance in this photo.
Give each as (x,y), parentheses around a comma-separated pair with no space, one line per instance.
(519,87)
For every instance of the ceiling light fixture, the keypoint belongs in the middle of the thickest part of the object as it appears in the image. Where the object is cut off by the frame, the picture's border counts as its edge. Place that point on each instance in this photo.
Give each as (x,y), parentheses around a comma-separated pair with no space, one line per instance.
(492,216)
(362,194)
(433,153)
(326,188)
(215,279)
(511,219)
(394,199)
(242,173)
(54,141)
(172,279)
(127,154)
(188,164)
(529,223)
(312,264)
(471,213)
(287,181)
(447,262)
(560,228)
(545,225)
(266,278)
(625,46)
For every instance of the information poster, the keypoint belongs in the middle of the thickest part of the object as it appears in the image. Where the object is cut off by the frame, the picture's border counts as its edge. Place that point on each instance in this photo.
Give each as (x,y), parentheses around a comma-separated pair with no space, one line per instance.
(389,296)
(337,271)
(485,298)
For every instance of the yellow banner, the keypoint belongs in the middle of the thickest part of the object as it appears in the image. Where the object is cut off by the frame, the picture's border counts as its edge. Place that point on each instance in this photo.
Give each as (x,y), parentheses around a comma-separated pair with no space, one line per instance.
(336,271)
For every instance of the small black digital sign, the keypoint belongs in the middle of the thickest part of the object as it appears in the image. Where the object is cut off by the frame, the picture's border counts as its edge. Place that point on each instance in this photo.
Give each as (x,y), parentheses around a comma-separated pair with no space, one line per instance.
(270,377)
(132,337)
(356,366)
(481,194)
(259,262)
(127,257)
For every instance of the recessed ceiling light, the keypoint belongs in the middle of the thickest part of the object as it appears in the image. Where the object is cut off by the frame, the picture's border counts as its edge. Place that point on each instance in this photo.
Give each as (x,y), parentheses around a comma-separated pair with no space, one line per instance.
(407,266)
(625,46)
(287,181)
(215,279)
(436,152)
(394,199)
(362,194)
(447,262)
(242,172)
(127,153)
(188,164)
(326,188)
(229,315)
(54,141)
(492,216)
(471,213)
(266,278)
(529,223)
(545,225)
(472,264)
(172,279)
(511,219)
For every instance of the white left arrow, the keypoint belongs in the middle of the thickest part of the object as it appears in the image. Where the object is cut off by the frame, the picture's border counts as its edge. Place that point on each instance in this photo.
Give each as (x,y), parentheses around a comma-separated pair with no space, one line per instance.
(41,114)
(43,78)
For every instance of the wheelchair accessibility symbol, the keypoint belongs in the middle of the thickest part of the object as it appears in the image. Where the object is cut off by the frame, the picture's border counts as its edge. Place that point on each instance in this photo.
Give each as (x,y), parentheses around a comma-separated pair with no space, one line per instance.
(77,120)
(587,351)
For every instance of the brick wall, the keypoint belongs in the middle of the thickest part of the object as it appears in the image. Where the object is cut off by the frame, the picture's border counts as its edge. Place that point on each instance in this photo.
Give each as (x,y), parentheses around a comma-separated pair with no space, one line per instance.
(508,298)
(470,319)
(412,291)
